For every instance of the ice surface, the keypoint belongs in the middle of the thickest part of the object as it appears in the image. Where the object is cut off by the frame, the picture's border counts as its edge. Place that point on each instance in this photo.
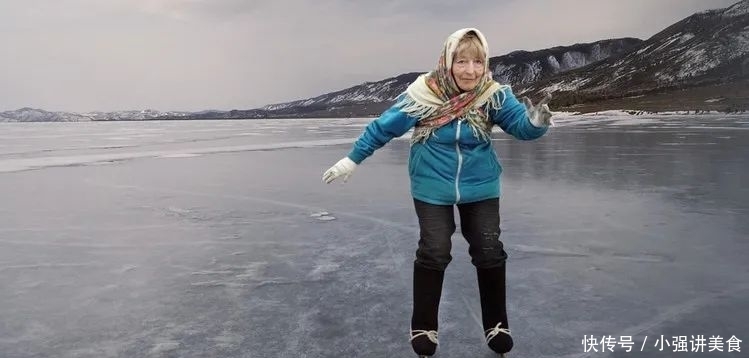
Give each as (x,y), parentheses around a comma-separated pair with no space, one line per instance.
(219,239)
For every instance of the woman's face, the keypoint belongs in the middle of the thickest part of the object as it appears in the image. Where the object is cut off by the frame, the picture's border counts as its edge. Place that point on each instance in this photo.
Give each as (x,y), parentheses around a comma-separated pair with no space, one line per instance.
(467,70)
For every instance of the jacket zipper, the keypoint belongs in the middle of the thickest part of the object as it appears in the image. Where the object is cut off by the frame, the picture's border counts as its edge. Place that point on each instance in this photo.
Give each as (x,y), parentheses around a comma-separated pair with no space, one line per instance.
(460,163)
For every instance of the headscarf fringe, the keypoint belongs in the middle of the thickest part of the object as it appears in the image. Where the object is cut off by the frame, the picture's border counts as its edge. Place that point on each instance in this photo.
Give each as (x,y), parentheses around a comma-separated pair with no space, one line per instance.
(415,109)
(480,127)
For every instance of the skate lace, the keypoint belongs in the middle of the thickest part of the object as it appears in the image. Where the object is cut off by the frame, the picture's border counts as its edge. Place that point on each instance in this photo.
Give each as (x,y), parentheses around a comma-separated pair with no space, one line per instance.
(431,335)
(492,332)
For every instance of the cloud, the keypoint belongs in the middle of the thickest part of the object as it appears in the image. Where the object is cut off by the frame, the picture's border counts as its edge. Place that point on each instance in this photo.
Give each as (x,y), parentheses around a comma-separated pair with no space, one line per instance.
(195,9)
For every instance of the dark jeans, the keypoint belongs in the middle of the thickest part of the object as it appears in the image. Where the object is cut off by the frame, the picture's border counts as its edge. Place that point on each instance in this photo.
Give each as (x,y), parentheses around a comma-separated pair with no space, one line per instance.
(479,222)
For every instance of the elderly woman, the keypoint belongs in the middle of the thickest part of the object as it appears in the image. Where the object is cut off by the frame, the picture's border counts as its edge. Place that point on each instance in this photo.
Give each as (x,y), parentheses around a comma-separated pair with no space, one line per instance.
(452,110)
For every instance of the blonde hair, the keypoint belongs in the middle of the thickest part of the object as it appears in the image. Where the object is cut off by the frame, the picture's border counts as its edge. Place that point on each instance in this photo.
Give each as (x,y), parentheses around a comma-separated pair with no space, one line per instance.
(470,45)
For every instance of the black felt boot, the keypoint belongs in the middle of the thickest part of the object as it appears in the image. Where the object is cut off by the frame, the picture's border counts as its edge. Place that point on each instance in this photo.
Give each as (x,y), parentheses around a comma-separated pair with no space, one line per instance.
(494,308)
(427,289)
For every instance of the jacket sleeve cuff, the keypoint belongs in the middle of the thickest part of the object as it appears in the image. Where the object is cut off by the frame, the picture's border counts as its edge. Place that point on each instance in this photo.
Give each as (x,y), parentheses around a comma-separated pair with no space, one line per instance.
(355,156)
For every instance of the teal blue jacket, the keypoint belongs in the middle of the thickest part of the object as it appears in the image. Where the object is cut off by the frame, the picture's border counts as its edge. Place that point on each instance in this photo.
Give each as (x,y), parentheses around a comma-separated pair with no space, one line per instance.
(453,166)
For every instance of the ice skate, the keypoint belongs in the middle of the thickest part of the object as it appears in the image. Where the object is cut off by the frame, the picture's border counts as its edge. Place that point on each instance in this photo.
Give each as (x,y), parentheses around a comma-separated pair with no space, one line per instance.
(424,343)
(499,339)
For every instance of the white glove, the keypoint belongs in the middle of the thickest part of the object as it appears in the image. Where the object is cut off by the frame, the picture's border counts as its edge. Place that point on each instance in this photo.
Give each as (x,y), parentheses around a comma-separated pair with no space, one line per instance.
(344,167)
(540,115)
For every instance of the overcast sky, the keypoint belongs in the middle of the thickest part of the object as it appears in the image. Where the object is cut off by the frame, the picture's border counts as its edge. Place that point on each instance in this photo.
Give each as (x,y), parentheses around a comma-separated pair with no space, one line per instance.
(85,55)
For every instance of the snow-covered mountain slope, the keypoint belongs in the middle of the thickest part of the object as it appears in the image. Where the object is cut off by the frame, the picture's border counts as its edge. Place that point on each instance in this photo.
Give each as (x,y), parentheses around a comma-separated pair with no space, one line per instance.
(523,67)
(706,48)
(38,115)
(369,92)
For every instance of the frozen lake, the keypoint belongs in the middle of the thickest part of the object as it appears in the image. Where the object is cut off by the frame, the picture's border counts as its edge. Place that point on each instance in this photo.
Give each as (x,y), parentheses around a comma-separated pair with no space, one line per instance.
(219,239)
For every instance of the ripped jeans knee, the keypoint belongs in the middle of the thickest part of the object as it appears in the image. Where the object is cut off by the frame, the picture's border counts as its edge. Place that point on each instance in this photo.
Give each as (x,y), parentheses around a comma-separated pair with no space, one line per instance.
(487,250)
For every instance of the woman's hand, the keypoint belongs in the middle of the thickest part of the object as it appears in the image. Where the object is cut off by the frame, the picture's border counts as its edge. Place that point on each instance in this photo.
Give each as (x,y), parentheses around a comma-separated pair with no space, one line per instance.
(344,168)
(540,115)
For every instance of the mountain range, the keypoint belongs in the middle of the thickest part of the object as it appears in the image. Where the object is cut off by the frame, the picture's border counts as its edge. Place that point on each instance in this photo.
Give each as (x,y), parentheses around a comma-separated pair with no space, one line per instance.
(698,63)
(701,62)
